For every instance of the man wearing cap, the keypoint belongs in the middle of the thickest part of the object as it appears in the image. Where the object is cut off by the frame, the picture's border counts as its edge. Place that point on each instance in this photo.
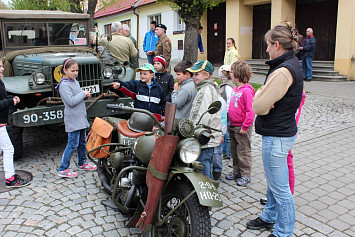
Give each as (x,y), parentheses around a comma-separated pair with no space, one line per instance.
(207,93)
(163,46)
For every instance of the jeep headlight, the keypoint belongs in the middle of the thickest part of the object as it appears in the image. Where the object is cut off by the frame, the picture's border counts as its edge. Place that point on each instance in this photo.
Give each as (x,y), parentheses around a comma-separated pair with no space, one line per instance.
(39,78)
(107,72)
(188,150)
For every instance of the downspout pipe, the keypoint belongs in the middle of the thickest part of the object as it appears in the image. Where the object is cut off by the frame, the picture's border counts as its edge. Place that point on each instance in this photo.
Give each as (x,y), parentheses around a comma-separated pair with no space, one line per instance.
(134,12)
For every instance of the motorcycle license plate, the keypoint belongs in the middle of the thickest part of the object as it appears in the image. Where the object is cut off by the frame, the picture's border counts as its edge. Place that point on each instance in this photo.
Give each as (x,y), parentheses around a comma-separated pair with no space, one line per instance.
(92,89)
(128,141)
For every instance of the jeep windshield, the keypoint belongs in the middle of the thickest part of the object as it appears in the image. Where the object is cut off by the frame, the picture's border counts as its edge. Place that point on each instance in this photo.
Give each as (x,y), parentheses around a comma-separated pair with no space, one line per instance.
(27,34)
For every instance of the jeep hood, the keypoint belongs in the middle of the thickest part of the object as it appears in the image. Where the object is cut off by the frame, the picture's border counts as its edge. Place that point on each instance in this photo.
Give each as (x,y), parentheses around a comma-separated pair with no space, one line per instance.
(59,53)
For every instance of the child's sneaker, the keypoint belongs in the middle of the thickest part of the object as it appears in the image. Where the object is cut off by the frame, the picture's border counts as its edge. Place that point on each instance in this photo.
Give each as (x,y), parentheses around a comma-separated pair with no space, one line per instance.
(88,167)
(233,176)
(16,182)
(67,174)
(243,181)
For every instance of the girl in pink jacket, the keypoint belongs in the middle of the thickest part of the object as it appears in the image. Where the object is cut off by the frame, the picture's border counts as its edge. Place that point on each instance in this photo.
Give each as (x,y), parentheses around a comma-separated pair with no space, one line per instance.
(241,117)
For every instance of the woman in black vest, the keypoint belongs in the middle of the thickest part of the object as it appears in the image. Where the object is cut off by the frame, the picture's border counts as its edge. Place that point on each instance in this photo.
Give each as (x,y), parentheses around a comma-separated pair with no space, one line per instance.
(275,105)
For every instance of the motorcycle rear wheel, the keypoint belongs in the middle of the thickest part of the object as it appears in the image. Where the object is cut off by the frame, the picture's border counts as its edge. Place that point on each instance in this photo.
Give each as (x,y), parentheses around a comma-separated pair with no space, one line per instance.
(190,219)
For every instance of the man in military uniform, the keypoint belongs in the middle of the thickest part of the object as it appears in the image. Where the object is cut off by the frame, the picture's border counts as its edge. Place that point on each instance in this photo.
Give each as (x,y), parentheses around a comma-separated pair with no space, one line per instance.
(121,47)
(163,46)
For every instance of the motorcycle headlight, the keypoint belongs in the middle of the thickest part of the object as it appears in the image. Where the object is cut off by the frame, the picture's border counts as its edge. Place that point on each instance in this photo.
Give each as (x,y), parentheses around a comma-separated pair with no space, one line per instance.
(189,150)
(39,78)
(107,72)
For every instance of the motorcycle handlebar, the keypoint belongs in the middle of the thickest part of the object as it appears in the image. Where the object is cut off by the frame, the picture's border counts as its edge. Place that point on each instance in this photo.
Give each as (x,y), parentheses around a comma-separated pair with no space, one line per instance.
(208,127)
(119,107)
(130,109)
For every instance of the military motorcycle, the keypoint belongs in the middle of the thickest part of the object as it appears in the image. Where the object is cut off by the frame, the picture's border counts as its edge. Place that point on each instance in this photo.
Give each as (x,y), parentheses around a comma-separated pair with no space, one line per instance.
(151,173)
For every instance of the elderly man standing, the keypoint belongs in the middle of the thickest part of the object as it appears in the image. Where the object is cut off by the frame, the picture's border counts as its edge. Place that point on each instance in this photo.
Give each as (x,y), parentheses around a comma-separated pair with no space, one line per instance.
(163,46)
(126,31)
(121,47)
(307,51)
(149,42)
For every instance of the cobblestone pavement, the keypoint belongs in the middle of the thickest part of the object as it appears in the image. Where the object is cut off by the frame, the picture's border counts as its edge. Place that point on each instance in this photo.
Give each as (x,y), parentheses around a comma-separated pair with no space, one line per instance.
(324,192)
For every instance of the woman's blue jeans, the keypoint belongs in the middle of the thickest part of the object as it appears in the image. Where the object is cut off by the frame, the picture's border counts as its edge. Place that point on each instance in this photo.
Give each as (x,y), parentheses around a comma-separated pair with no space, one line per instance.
(280,208)
(76,141)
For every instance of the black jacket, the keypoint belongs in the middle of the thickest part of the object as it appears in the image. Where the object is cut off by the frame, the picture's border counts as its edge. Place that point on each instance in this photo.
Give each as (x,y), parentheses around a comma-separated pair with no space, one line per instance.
(6,101)
(166,80)
(280,121)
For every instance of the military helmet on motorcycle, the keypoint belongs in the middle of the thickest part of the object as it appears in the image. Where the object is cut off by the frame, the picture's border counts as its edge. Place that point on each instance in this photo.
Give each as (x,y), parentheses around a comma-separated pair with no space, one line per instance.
(140,122)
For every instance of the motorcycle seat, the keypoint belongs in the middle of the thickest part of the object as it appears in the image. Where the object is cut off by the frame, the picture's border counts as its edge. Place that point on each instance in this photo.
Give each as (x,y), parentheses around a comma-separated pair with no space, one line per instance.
(122,127)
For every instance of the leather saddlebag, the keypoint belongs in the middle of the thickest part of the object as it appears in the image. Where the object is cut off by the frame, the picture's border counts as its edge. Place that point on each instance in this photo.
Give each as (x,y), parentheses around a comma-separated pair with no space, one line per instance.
(157,174)
(100,134)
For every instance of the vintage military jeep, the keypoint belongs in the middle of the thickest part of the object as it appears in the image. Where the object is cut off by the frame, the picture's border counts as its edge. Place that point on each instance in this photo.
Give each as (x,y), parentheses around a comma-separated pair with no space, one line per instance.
(33,46)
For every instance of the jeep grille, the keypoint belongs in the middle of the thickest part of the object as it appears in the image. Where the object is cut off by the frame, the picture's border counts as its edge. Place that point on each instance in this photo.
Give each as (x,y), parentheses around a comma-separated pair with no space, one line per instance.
(88,75)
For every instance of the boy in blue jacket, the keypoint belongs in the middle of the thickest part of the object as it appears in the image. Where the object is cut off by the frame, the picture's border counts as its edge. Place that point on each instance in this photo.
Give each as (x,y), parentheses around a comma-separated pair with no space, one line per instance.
(146,92)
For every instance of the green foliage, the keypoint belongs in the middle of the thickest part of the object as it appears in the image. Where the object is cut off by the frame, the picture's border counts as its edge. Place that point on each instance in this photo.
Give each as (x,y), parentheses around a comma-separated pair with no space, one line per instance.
(255,85)
(191,9)
(63,5)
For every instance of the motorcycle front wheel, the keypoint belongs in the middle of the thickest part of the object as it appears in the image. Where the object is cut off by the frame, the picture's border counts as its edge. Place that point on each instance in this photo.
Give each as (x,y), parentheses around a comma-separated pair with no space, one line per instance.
(190,219)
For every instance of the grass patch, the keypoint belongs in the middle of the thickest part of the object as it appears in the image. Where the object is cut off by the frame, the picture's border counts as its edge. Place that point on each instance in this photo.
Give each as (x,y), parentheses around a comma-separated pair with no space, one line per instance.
(255,85)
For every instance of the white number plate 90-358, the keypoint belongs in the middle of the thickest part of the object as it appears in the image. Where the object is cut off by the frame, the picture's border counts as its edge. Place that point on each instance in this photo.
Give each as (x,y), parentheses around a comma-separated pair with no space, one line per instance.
(92,89)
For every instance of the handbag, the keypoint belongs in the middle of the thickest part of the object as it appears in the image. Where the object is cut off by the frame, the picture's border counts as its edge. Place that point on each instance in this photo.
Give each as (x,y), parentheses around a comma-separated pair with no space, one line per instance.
(100,134)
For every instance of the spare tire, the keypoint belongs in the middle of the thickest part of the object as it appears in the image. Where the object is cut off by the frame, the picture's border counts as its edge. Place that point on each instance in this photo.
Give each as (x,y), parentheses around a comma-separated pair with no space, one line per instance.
(15,134)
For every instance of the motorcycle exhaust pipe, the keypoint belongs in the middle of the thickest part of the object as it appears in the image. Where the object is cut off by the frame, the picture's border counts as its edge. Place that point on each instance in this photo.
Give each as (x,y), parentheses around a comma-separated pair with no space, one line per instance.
(131,196)
(104,180)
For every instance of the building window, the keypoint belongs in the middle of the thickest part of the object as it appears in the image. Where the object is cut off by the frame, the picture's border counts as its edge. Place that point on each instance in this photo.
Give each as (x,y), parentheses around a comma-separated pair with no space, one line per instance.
(180,23)
(127,22)
(156,18)
(107,29)
(180,44)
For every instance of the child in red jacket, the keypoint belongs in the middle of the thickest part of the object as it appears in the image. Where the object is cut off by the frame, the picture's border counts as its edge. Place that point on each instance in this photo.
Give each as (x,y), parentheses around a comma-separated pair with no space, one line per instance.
(241,117)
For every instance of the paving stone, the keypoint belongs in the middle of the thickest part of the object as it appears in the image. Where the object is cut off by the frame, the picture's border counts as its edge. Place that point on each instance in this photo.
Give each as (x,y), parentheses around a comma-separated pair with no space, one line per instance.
(74,230)
(339,225)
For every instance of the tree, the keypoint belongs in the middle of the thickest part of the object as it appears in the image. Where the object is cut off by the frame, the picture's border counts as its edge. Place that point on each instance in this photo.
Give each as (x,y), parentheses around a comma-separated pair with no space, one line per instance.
(191,12)
(75,6)
(40,5)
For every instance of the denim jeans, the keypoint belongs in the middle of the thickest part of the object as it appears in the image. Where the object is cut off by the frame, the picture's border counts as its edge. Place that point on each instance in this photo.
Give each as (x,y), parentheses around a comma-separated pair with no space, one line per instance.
(76,140)
(280,208)
(307,67)
(8,153)
(217,159)
(206,158)
(150,58)
(226,150)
